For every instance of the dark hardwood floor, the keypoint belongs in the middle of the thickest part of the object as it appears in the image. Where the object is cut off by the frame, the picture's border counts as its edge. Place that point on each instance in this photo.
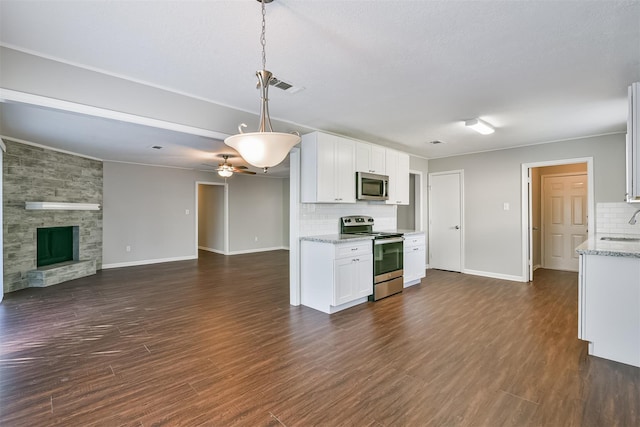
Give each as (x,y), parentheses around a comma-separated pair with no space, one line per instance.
(214,342)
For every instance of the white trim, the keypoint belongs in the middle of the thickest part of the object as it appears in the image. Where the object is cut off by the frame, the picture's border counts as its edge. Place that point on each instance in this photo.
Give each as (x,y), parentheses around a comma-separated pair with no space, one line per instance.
(524,190)
(494,275)
(8,95)
(252,251)
(62,206)
(294,227)
(147,262)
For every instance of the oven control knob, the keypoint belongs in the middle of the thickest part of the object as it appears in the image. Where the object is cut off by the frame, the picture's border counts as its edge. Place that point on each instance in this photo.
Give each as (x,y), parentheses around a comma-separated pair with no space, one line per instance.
(370,220)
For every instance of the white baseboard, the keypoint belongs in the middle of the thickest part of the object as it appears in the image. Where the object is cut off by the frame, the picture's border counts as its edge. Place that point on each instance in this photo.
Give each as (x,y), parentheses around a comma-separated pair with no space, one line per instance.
(147,261)
(495,275)
(537,266)
(250,251)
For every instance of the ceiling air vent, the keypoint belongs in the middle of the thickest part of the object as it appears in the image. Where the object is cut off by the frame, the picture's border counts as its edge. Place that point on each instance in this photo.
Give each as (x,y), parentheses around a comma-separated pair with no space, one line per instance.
(436,142)
(285,86)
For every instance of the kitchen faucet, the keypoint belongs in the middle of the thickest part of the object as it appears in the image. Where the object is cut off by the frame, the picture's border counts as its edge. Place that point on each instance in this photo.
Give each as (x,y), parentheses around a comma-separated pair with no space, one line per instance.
(632,221)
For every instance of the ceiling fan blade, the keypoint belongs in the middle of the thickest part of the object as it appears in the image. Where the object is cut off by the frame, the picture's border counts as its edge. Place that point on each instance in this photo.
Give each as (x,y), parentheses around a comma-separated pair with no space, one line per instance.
(240,167)
(245,172)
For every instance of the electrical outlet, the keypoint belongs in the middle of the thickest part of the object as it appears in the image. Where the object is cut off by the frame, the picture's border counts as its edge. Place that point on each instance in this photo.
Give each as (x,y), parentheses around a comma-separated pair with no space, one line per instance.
(255,239)
(127,248)
(186,211)
(506,206)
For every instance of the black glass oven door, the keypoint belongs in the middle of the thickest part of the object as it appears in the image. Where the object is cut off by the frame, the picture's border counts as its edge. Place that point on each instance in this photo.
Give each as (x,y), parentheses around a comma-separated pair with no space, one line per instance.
(387,256)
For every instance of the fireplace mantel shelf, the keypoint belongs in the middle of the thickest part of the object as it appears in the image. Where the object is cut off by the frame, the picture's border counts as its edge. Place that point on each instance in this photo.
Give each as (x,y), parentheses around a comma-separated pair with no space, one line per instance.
(62,206)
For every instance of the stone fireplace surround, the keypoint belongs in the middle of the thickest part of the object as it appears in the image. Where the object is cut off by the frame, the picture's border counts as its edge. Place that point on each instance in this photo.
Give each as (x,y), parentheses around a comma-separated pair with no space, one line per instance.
(33,173)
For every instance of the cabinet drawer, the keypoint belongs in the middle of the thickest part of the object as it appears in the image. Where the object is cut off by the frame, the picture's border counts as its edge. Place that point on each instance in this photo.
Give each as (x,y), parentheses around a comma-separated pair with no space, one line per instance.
(362,248)
(414,240)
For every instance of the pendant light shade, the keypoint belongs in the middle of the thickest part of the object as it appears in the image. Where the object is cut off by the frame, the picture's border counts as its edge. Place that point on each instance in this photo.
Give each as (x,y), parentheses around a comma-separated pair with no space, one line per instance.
(265,148)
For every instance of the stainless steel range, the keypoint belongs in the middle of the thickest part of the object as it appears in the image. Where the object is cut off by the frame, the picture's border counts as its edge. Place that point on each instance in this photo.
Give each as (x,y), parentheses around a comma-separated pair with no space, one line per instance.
(387,255)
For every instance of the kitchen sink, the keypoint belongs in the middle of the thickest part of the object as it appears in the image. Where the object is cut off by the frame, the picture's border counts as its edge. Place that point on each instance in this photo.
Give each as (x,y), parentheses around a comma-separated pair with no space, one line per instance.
(621,239)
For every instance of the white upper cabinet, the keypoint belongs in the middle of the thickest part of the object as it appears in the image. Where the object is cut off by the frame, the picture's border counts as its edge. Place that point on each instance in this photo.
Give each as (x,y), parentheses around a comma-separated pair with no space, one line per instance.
(633,145)
(397,164)
(328,169)
(370,158)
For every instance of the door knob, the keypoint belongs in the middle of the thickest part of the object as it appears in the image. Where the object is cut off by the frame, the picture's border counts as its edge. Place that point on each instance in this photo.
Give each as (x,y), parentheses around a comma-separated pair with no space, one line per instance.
(457,227)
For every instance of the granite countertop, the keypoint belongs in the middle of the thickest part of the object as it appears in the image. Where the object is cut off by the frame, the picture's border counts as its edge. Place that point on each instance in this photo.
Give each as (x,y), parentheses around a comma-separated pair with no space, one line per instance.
(596,246)
(344,238)
(337,238)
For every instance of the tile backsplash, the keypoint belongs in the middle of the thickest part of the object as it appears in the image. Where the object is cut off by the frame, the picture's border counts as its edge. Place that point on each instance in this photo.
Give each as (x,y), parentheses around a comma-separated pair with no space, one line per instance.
(323,218)
(613,218)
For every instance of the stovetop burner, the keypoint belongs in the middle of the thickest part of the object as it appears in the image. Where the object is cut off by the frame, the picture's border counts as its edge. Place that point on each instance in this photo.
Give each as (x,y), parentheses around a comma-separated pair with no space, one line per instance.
(363,225)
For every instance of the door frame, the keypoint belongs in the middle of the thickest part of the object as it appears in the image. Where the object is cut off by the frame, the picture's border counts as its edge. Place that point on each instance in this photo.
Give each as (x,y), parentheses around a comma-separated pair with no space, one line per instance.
(225,237)
(459,172)
(527,241)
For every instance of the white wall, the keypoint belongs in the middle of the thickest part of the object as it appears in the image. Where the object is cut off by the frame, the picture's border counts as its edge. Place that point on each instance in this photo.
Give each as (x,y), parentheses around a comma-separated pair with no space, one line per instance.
(144,207)
(493,237)
(256,211)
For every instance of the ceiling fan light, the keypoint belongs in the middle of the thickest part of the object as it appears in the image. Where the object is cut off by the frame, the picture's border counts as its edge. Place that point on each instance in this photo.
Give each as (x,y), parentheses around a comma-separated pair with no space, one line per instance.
(480,126)
(225,173)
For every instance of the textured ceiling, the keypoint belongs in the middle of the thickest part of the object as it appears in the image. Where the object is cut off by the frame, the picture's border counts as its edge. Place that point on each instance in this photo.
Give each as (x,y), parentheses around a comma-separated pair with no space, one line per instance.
(399,73)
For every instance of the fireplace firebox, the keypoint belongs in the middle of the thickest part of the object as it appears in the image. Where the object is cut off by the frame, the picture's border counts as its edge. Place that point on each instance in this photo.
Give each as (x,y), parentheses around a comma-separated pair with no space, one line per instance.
(56,245)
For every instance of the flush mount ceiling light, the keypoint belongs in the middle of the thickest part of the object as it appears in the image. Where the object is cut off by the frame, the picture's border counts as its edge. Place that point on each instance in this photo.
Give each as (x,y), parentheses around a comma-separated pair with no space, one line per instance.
(264,148)
(480,126)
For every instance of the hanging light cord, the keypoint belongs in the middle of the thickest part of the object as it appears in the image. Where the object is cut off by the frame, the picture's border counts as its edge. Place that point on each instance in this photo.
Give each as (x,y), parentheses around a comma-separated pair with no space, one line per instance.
(263,39)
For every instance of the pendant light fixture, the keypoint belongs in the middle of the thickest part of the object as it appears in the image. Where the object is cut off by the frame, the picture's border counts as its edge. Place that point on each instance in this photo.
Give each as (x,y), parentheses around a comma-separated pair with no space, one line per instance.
(264,148)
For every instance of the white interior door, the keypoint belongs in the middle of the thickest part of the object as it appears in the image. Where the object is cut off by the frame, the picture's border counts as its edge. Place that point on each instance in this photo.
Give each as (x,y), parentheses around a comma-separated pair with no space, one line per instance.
(445,221)
(565,220)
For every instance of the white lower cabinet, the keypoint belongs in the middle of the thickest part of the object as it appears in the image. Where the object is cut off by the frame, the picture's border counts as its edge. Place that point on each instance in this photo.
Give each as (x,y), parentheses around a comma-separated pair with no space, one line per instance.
(414,259)
(335,276)
(609,307)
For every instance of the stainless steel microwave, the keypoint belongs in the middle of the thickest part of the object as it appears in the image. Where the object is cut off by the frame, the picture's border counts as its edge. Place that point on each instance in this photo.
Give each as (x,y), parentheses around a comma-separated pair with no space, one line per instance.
(370,186)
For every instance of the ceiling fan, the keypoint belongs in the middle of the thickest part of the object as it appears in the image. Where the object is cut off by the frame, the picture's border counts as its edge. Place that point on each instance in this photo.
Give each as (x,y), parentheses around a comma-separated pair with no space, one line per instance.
(226,169)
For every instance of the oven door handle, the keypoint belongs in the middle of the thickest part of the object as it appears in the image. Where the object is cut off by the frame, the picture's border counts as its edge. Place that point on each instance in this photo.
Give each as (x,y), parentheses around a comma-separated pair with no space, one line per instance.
(385,241)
